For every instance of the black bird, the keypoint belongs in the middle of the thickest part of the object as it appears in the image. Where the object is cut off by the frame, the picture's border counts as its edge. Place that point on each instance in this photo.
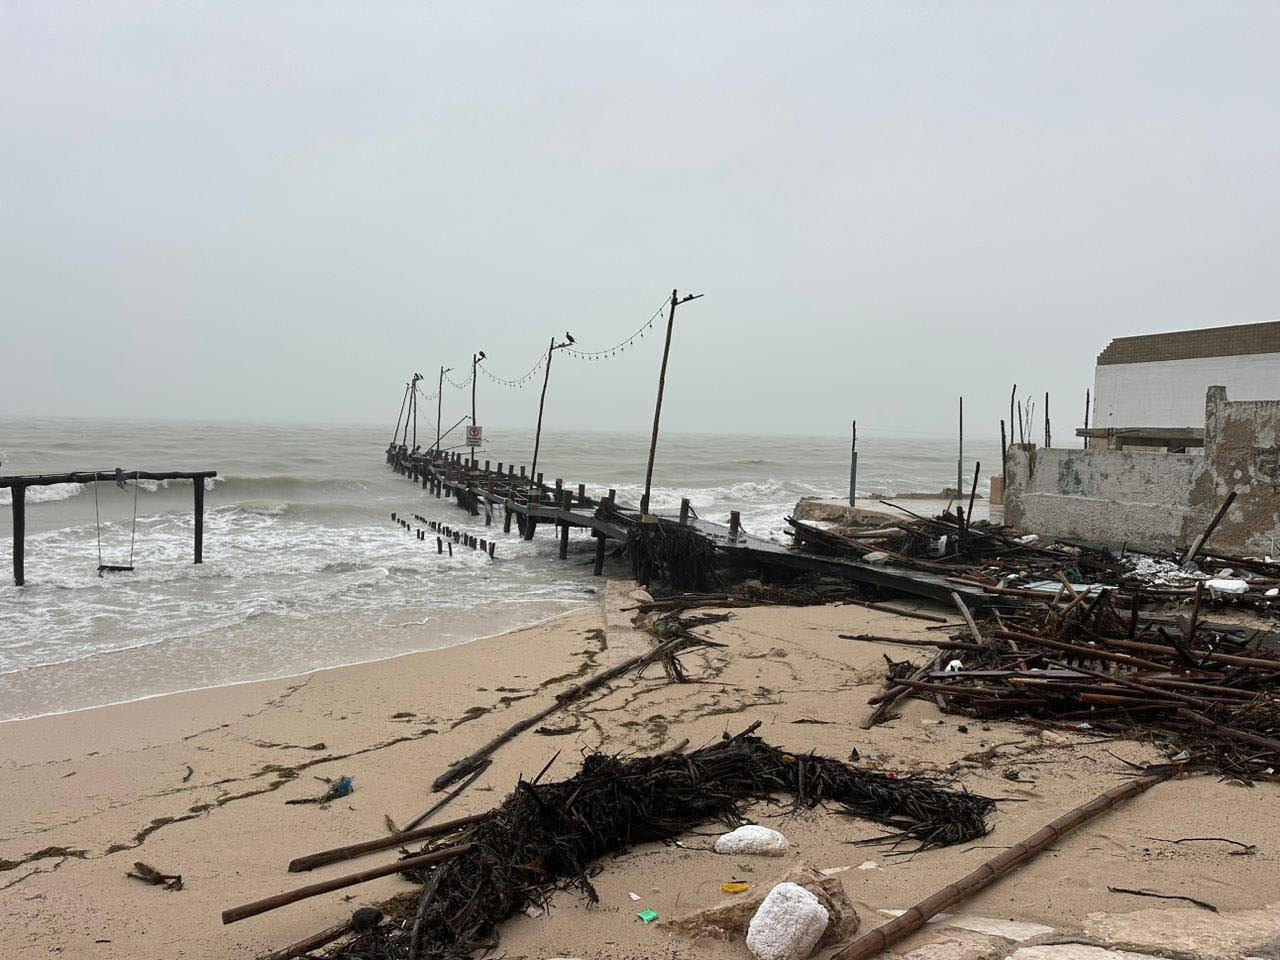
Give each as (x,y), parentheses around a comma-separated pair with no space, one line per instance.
(569,336)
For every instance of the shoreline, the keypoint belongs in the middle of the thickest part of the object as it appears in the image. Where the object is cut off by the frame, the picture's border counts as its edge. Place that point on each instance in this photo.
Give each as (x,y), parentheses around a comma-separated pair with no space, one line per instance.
(272,679)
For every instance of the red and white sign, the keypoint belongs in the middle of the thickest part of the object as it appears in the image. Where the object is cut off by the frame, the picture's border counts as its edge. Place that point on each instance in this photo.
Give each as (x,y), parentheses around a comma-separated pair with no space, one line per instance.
(475,435)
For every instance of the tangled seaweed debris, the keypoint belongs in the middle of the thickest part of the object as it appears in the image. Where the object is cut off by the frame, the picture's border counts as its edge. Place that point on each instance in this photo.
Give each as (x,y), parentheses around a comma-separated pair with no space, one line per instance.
(1211,691)
(547,836)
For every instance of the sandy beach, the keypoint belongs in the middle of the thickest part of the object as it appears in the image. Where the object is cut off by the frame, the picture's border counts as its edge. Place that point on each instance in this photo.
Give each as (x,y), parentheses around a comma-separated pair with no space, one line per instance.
(91,792)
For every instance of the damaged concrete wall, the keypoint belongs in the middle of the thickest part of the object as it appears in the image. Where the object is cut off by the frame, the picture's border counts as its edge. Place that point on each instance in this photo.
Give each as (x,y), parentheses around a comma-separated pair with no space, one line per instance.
(1101,496)
(1159,500)
(1242,453)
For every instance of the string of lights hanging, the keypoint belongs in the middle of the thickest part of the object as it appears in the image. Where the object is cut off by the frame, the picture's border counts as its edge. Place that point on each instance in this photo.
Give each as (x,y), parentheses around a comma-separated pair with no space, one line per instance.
(520,381)
(620,346)
(517,383)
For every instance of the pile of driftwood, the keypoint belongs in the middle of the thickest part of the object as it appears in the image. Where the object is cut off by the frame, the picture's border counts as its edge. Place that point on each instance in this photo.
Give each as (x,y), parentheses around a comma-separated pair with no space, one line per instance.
(1207,692)
(672,554)
(1015,568)
(547,836)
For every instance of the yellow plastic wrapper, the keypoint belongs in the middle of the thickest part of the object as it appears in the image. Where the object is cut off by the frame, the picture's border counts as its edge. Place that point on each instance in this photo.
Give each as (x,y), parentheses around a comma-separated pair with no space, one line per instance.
(734,887)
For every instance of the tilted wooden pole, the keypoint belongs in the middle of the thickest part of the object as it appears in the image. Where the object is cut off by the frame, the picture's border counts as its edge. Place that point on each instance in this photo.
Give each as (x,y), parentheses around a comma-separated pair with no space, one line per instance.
(887,934)
(1201,540)
(233,914)
(439,405)
(657,409)
(400,416)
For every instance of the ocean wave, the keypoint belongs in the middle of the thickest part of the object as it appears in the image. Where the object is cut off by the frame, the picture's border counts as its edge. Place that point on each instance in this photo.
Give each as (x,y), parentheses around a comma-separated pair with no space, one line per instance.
(257,508)
(285,484)
(55,491)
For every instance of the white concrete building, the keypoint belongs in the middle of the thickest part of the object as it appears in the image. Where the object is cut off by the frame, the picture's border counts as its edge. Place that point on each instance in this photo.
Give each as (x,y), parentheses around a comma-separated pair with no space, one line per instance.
(1159,380)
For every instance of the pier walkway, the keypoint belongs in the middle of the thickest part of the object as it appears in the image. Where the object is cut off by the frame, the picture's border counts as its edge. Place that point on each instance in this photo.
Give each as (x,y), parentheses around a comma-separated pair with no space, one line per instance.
(527,501)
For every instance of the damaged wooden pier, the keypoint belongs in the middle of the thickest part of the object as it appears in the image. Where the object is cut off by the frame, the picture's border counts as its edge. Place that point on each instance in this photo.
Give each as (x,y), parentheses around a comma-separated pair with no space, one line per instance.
(526,500)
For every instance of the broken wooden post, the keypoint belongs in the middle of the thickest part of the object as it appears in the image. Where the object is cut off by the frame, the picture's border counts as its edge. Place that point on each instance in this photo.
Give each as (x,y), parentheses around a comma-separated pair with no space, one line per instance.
(735,524)
(565,498)
(19,533)
(599,565)
(582,493)
(684,511)
(198,483)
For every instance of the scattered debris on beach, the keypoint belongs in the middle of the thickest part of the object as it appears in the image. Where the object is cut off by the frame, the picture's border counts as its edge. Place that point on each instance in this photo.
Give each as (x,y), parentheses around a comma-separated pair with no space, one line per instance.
(548,836)
(157,878)
(1206,692)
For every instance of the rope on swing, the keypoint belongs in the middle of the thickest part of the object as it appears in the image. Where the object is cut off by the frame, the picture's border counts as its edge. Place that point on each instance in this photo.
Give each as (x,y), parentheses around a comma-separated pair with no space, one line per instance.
(121,479)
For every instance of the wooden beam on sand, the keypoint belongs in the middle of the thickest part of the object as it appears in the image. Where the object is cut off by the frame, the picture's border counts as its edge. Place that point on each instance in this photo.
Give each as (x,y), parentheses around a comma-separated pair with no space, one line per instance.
(252,909)
(886,935)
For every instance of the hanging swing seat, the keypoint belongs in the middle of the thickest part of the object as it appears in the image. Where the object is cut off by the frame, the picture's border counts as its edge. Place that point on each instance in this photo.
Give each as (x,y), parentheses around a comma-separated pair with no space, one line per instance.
(121,479)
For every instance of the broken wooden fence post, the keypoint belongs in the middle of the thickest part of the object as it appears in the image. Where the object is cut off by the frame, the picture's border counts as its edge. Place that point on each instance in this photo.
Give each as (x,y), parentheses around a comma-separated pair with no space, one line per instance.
(684,511)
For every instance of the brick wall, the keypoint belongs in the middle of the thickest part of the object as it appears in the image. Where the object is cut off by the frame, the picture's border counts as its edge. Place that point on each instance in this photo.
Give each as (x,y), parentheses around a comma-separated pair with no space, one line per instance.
(1238,340)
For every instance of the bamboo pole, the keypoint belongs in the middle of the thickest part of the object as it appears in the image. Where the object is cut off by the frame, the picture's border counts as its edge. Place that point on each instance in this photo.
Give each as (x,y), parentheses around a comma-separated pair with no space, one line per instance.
(884,936)
(351,851)
(233,914)
(365,918)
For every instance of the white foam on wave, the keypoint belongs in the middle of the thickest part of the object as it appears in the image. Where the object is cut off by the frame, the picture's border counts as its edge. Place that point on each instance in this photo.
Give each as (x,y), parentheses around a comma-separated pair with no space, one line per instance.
(55,491)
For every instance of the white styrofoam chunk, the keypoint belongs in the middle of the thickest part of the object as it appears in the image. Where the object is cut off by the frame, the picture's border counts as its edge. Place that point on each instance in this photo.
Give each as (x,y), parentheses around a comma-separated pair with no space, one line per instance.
(788,924)
(751,839)
(1228,586)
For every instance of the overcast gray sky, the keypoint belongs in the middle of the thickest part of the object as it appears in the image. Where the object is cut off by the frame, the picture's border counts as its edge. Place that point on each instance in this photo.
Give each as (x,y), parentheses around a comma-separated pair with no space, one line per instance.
(279,210)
